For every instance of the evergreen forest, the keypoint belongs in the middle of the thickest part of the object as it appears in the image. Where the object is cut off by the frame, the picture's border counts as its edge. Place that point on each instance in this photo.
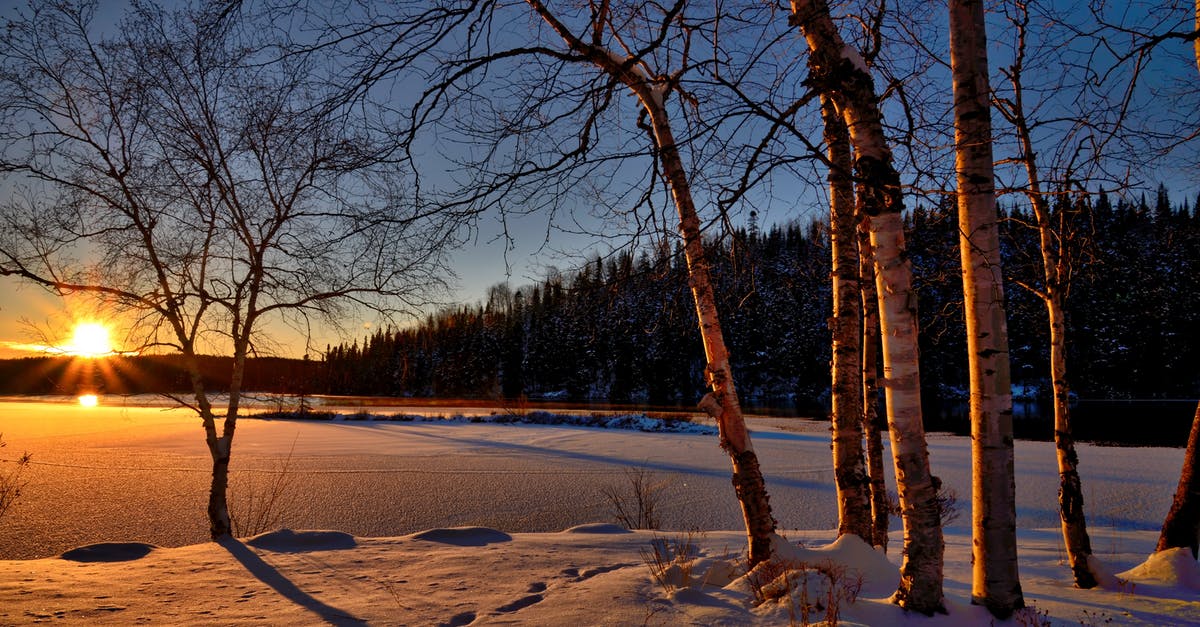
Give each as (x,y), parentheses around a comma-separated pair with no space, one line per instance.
(620,329)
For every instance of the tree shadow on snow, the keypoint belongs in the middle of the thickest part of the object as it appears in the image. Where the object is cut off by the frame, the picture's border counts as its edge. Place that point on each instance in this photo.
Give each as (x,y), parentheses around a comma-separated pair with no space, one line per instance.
(269,575)
(465,443)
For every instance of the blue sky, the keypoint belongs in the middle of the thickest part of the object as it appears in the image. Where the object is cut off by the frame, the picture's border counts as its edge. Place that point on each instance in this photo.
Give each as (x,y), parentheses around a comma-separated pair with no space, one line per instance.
(483,262)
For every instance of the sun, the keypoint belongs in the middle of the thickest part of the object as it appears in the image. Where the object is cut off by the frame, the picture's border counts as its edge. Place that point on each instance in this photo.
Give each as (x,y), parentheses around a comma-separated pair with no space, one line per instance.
(90,339)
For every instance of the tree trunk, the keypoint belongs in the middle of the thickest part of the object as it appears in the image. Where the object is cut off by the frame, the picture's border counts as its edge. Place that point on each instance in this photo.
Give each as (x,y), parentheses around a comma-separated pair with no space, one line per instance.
(840,72)
(1182,525)
(219,525)
(1070,488)
(1054,271)
(849,468)
(874,425)
(995,582)
(722,403)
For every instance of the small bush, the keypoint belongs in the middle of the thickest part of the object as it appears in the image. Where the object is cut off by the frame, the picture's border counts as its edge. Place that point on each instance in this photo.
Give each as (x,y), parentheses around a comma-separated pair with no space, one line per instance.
(259,500)
(671,561)
(1031,616)
(810,591)
(10,479)
(635,506)
(946,499)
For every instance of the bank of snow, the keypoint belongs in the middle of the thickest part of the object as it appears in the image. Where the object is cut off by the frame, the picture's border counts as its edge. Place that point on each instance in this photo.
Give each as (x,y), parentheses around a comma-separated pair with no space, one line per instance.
(480,498)
(586,575)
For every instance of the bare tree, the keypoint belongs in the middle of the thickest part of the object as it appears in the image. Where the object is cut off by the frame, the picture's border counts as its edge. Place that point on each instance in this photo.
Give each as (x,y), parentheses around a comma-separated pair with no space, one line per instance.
(995,583)
(1053,238)
(202,188)
(840,72)
(651,89)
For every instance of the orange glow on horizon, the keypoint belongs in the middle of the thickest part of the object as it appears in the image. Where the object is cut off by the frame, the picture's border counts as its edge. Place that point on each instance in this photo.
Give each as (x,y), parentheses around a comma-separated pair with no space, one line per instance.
(89,400)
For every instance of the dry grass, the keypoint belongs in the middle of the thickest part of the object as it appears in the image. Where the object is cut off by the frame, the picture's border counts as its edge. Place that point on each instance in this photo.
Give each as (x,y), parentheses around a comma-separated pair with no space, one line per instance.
(11,482)
(810,591)
(671,561)
(259,500)
(635,505)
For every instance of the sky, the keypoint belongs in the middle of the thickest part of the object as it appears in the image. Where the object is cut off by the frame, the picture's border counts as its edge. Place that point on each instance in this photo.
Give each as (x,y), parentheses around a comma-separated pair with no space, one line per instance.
(30,317)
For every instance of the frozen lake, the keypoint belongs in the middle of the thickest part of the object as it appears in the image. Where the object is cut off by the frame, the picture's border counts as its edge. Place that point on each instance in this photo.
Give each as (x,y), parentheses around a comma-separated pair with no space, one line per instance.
(141,473)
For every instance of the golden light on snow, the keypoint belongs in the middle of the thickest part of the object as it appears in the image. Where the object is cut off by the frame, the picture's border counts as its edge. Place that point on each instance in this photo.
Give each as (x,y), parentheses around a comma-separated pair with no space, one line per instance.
(90,339)
(88,400)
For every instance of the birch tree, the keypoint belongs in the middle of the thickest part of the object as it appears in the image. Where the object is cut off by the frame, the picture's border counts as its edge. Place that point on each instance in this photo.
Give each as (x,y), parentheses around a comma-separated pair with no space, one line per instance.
(874,425)
(840,72)
(1053,239)
(995,582)
(201,188)
(722,403)
(849,467)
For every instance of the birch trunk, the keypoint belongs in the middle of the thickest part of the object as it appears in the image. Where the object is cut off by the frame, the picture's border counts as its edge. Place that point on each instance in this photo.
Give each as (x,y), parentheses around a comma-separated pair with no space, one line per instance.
(1054,271)
(995,582)
(722,402)
(1070,488)
(219,525)
(874,425)
(849,467)
(840,72)
(1182,525)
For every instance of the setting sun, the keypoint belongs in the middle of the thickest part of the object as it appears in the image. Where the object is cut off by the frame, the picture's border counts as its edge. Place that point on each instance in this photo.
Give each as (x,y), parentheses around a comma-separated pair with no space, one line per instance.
(89,400)
(90,339)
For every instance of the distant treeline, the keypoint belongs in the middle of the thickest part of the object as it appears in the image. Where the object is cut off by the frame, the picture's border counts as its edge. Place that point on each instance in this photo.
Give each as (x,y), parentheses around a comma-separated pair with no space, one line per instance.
(623,328)
(147,374)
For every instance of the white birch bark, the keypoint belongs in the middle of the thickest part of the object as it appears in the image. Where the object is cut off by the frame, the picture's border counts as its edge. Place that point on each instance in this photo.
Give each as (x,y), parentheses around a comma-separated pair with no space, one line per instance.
(873,425)
(995,582)
(849,466)
(840,72)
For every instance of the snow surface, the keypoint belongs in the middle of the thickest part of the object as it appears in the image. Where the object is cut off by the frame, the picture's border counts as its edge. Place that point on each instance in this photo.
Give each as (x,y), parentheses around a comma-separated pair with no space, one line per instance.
(470,540)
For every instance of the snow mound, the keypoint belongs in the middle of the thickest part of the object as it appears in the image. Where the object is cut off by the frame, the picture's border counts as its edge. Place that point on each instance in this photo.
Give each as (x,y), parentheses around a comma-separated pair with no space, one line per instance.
(602,528)
(288,541)
(880,577)
(463,536)
(109,552)
(1173,568)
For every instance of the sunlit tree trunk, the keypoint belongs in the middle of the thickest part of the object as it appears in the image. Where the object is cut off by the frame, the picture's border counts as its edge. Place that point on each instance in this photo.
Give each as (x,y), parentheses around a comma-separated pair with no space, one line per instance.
(874,425)
(722,402)
(1053,294)
(849,468)
(995,582)
(1182,525)
(839,71)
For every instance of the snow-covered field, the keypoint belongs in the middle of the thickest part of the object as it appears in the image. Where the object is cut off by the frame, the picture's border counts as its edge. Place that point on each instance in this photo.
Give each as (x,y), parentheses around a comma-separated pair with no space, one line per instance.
(453,523)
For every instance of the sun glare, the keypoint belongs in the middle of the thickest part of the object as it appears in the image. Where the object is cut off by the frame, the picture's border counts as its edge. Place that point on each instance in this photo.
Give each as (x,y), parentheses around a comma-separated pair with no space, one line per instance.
(89,400)
(90,339)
